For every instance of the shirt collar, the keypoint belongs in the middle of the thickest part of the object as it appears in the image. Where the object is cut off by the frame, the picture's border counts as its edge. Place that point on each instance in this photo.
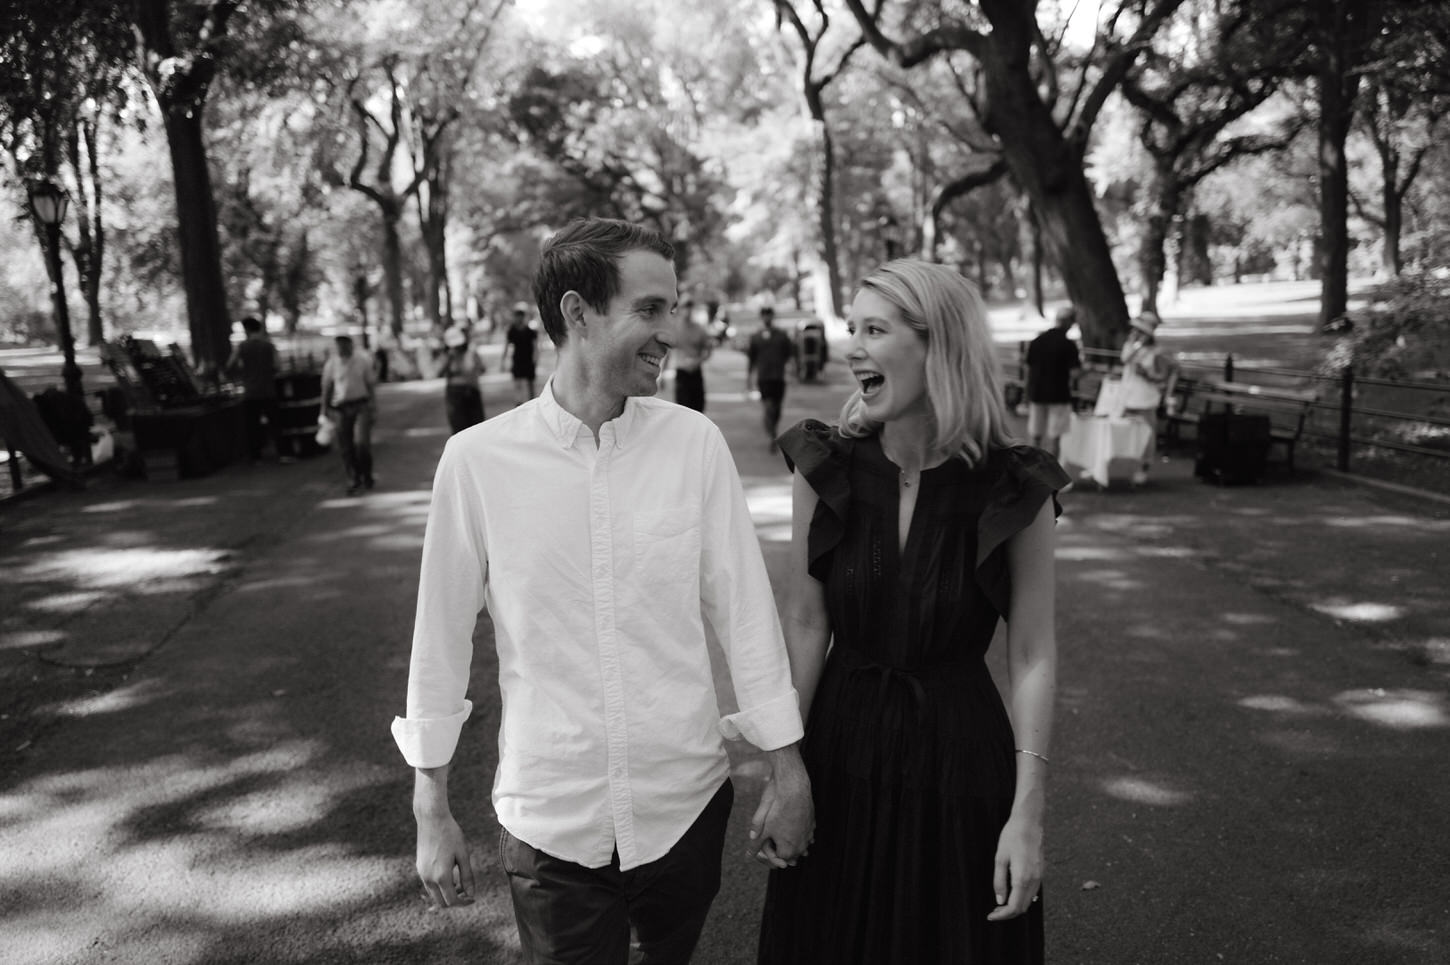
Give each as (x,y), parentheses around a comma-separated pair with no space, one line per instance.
(565,426)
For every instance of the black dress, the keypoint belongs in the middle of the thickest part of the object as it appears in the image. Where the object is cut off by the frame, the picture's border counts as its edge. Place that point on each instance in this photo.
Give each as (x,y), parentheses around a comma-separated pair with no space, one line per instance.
(909,746)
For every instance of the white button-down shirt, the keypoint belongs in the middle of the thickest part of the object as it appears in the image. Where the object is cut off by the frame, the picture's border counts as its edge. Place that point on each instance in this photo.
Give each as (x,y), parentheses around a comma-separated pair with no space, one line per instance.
(600,566)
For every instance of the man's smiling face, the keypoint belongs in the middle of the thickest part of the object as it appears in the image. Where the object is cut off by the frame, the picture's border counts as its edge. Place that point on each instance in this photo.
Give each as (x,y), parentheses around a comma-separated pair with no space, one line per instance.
(627,345)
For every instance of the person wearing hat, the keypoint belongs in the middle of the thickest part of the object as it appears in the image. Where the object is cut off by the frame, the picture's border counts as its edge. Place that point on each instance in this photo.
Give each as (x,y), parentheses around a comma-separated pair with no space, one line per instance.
(1146,373)
(523,341)
(1051,359)
(769,352)
(461,369)
(692,347)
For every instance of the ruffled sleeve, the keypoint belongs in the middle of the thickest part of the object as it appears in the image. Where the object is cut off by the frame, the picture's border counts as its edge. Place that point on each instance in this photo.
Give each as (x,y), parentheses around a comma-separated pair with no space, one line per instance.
(823,458)
(1027,478)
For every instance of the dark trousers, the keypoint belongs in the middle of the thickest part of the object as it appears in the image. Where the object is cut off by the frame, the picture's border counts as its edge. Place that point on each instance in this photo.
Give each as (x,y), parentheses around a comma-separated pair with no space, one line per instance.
(772,396)
(257,411)
(465,406)
(355,440)
(690,388)
(651,915)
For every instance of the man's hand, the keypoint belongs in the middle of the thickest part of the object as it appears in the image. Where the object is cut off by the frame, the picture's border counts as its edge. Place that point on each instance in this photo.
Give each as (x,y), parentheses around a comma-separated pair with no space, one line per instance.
(785,822)
(443,863)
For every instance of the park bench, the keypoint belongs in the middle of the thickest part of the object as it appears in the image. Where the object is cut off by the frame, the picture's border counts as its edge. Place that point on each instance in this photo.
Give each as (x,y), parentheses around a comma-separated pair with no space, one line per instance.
(1287,407)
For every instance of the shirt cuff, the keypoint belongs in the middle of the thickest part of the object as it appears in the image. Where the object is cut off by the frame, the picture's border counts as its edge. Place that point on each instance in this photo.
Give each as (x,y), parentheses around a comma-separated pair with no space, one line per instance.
(430,741)
(769,726)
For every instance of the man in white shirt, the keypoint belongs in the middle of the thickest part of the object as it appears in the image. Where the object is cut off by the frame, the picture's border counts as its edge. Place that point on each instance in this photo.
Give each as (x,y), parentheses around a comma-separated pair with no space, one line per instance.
(349,389)
(601,527)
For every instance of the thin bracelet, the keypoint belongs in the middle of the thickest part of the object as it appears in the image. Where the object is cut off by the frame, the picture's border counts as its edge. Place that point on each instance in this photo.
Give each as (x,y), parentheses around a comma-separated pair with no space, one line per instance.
(1033,754)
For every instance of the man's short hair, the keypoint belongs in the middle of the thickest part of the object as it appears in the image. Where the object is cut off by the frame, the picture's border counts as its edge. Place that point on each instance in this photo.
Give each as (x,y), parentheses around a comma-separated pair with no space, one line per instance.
(767,311)
(1066,315)
(251,324)
(583,257)
(343,340)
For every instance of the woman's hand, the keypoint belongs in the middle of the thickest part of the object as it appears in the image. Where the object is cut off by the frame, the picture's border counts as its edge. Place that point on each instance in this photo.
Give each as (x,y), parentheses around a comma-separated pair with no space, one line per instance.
(1017,873)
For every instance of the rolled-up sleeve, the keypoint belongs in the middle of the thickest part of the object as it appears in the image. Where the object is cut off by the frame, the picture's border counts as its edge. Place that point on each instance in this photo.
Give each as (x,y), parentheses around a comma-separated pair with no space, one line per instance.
(738,601)
(451,586)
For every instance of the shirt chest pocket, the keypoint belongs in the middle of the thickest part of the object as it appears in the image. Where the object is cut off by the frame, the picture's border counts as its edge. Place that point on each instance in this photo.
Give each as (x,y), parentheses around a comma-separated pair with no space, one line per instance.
(667,546)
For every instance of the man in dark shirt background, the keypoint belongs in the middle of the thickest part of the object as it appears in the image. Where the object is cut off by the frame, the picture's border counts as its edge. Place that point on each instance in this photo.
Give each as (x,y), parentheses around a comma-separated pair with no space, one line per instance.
(1051,358)
(770,349)
(254,360)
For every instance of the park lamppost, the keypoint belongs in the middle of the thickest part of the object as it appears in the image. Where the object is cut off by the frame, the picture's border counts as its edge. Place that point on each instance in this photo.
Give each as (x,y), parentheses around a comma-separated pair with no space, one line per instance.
(49,204)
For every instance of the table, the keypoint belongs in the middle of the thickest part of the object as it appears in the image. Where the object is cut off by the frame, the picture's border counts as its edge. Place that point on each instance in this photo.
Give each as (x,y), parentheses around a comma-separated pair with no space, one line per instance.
(190,440)
(1103,448)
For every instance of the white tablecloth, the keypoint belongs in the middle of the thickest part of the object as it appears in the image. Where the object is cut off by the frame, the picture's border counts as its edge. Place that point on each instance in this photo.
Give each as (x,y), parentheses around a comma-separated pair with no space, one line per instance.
(1103,449)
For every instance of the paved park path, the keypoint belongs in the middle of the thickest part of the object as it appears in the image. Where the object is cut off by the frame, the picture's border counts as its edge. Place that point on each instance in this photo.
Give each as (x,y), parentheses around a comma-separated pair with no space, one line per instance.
(196,680)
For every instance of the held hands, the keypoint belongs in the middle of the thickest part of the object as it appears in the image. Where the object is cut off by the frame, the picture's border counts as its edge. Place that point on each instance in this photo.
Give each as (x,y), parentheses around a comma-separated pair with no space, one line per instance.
(1017,872)
(443,864)
(784,823)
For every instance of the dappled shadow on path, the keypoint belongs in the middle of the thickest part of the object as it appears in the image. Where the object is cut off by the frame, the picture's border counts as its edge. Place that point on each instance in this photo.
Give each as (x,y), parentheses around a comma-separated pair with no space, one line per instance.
(237,797)
(1246,758)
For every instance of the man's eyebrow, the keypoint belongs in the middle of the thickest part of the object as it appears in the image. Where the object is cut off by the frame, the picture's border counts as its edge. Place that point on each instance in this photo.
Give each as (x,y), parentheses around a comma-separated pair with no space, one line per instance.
(648,301)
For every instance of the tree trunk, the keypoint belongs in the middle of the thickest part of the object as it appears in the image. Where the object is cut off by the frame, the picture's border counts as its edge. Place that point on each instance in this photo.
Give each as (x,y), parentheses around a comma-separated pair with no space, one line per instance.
(1038,300)
(393,264)
(1050,171)
(88,253)
(825,207)
(1390,259)
(1152,255)
(201,263)
(1344,30)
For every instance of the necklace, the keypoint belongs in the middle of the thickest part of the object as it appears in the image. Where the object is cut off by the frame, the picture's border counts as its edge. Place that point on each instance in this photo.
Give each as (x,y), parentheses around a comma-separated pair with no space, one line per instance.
(907,478)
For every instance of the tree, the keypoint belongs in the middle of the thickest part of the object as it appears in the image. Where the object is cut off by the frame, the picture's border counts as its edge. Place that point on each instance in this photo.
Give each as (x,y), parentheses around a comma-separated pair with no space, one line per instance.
(1223,63)
(1406,92)
(63,72)
(814,79)
(1042,128)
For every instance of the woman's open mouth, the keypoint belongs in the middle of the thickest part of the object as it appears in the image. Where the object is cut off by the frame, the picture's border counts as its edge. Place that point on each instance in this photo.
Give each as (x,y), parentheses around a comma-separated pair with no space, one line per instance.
(870,382)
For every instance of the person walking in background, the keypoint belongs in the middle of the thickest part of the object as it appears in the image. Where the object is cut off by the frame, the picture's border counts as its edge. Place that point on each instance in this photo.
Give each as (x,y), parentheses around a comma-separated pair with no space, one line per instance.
(1147,372)
(602,528)
(768,354)
(254,360)
(523,341)
(1051,359)
(349,395)
(917,527)
(461,369)
(693,346)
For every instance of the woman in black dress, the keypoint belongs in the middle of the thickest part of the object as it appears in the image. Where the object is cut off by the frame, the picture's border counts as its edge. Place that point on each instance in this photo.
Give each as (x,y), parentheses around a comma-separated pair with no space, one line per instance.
(918,525)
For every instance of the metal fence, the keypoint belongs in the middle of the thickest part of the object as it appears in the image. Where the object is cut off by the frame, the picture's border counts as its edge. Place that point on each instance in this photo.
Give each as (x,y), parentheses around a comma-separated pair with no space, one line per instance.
(1349,410)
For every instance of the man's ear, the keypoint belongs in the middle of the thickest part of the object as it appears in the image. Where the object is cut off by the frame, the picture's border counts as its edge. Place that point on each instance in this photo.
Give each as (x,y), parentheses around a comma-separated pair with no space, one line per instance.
(573,307)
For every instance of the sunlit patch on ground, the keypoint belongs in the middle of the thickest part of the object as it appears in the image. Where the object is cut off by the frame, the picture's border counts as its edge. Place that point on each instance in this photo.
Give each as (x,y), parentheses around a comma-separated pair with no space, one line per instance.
(123,698)
(67,602)
(1142,791)
(1382,522)
(1246,619)
(1113,580)
(1363,612)
(425,432)
(1079,554)
(1280,704)
(128,567)
(26,639)
(1401,709)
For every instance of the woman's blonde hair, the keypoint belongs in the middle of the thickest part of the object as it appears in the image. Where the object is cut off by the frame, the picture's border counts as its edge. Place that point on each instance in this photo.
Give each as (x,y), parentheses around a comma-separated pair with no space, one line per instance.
(963,386)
